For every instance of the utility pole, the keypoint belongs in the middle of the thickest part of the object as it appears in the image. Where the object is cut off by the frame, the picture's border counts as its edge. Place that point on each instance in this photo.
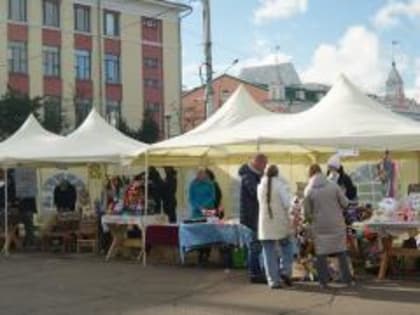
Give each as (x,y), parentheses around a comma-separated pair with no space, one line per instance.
(102,109)
(208,58)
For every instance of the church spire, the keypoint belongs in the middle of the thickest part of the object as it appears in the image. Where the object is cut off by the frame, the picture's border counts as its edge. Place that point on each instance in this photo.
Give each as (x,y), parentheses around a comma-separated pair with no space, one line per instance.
(394,83)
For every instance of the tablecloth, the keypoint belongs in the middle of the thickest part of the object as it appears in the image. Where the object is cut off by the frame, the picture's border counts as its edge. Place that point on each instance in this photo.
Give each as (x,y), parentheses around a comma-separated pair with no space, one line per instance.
(393,228)
(124,219)
(195,235)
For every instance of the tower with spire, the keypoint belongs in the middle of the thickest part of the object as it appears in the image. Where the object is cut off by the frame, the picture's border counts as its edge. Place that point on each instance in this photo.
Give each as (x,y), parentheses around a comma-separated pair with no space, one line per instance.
(394,83)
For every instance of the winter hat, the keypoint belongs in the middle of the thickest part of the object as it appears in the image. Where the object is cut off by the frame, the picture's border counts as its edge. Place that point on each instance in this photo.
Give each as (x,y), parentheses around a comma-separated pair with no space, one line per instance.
(334,162)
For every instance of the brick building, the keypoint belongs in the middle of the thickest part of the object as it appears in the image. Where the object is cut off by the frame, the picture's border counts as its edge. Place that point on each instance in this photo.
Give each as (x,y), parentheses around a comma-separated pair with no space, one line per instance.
(194,109)
(120,56)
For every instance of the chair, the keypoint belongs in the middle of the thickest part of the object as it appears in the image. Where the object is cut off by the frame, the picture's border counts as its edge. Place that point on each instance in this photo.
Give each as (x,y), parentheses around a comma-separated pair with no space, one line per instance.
(64,230)
(87,235)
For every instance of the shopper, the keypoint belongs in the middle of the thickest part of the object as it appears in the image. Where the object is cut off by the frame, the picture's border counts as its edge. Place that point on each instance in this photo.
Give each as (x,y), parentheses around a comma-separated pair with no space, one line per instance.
(324,204)
(274,227)
(251,174)
(155,189)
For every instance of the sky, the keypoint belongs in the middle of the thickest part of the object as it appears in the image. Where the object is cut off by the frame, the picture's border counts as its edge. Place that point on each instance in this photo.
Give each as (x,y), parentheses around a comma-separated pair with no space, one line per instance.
(322,38)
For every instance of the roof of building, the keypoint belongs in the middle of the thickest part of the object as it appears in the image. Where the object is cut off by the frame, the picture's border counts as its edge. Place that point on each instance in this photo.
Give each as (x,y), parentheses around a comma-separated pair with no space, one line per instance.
(172,4)
(268,74)
(258,86)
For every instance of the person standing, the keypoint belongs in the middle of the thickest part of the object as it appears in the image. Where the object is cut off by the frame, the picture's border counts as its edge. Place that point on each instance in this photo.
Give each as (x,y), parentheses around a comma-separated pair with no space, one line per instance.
(274,227)
(324,203)
(251,174)
(169,193)
(217,190)
(202,195)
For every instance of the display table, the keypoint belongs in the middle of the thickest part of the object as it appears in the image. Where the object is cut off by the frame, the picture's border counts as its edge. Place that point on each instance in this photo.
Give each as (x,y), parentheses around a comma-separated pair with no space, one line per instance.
(196,235)
(118,226)
(387,232)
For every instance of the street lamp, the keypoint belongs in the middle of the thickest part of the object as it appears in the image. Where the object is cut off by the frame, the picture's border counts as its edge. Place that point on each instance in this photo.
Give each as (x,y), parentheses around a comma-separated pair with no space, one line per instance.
(168,125)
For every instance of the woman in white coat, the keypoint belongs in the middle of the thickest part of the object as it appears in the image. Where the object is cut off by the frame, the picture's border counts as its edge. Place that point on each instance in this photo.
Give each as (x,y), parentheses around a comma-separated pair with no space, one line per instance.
(274,227)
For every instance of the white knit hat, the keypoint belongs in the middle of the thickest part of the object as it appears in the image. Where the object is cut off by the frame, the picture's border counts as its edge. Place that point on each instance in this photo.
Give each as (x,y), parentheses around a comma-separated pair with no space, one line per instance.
(334,161)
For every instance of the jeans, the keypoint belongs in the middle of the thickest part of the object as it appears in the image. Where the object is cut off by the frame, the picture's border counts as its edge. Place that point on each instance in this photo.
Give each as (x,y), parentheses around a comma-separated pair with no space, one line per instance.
(273,269)
(322,267)
(254,252)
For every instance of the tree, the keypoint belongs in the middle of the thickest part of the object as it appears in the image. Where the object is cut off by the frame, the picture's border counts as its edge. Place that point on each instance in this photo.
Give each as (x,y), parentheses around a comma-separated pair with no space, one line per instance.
(149,131)
(15,108)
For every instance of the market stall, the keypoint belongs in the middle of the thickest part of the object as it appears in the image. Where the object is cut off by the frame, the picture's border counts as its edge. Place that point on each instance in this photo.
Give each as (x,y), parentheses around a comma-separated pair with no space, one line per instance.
(346,119)
(95,144)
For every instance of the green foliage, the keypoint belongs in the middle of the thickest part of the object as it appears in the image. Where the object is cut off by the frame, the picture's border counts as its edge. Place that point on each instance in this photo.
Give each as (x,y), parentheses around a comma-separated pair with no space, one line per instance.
(148,133)
(14,110)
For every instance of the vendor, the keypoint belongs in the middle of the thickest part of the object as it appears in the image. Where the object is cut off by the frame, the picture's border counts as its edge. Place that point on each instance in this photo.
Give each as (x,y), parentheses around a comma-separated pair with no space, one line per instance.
(65,196)
(202,195)
(387,174)
(337,175)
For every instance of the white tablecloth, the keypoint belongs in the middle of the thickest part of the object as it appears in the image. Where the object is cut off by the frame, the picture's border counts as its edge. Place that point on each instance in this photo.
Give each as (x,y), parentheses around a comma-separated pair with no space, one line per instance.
(139,221)
(394,228)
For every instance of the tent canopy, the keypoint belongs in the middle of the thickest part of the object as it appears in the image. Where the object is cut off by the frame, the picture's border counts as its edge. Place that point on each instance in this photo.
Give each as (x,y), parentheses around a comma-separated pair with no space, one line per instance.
(216,130)
(29,138)
(95,141)
(345,117)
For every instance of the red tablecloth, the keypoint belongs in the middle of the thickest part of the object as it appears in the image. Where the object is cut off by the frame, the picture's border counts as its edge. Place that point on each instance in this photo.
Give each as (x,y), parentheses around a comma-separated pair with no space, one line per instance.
(166,235)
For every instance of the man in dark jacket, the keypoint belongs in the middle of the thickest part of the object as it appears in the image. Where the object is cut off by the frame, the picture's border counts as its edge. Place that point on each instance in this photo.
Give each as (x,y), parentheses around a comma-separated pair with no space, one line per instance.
(250,178)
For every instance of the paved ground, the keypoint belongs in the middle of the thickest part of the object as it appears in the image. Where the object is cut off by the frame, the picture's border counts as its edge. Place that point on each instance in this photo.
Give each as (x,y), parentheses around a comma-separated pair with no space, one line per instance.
(73,285)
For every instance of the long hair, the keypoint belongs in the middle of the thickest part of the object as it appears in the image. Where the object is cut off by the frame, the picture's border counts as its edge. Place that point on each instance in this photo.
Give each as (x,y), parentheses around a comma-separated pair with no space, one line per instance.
(270,172)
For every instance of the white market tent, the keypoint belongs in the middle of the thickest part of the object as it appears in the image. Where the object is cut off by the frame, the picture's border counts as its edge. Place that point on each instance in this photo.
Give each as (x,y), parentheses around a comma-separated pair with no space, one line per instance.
(215,137)
(346,118)
(95,141)
(29,138)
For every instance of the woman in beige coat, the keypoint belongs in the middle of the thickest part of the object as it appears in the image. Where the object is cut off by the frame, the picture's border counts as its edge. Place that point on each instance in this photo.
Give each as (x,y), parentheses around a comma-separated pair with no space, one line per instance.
(324,205)
(274,227)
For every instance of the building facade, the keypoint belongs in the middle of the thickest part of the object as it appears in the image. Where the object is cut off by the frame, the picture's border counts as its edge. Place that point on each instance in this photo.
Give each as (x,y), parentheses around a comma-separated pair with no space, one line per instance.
(193,101)
(122,57)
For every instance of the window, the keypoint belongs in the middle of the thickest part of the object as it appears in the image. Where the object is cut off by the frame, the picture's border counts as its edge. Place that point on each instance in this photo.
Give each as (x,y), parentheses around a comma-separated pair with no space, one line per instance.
(82,18)
(83,108)
(150,23)
(112,69)
(18,57)
(113,113)
(83,67)
(52,114)
(300,95)
(18,10)
(51,13)
(153,107)
(152,83)
(150,62)
(111,23)
(51,61)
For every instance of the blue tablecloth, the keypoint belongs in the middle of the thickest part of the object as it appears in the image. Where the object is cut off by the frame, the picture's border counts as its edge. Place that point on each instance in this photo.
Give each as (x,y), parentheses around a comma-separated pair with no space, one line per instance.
(194,235)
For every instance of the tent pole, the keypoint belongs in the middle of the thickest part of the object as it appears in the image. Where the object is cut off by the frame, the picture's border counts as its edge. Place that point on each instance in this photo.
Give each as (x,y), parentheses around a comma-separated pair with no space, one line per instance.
(146,203)
(6,223)
(146,183)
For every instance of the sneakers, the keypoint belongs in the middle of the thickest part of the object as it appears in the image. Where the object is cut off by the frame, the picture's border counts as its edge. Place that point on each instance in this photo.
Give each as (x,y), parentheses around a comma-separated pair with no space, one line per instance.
(276,286)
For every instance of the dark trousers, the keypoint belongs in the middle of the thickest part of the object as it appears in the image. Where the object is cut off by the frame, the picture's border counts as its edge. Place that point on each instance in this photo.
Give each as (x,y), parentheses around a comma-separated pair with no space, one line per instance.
(322,267)
(28,222)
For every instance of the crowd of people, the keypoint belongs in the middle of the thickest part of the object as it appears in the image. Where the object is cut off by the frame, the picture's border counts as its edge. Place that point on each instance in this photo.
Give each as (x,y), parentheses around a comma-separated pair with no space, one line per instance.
(265,205)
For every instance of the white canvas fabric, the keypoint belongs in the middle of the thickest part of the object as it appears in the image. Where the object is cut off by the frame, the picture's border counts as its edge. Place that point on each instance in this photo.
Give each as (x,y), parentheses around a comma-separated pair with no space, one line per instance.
(95,141)
(29,138)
